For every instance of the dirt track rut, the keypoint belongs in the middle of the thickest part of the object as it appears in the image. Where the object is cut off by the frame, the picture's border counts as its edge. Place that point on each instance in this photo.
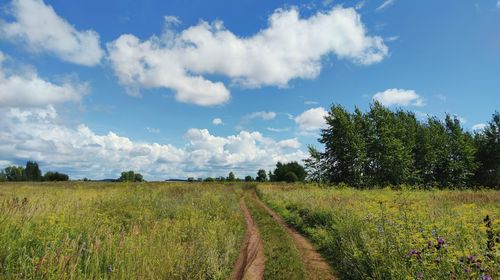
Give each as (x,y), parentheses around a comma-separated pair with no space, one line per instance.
(250,262)
(316,267)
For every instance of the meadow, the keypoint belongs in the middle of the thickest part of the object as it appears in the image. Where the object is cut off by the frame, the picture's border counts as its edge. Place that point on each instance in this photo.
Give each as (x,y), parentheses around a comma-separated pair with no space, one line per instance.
(387,234)
(77,230)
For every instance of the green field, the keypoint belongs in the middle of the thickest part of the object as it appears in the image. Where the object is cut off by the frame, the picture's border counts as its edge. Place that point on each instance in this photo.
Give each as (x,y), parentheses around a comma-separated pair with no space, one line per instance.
(386,234)
(119,231)
(90,230)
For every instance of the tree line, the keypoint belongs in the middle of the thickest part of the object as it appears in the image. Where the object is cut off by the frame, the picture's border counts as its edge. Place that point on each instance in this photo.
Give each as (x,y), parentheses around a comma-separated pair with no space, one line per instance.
(31,172)
(385,147)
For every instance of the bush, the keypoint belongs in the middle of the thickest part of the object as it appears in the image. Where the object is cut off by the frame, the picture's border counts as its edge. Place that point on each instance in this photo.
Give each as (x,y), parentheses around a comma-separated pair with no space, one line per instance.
(55,176)
(290,177)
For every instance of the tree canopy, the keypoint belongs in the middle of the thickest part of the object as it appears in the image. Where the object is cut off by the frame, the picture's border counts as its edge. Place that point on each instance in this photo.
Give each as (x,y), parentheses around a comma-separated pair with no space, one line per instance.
(385,147)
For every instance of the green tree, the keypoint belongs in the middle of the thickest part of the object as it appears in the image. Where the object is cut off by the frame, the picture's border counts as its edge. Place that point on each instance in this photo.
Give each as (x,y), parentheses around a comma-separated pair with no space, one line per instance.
(261,176)
(282,169)
(231,177)
(488,153)
(344,147)
(315,166)
(15,173)
(32,171)
(55,176)
(291,177)
(131,176)
(248,178)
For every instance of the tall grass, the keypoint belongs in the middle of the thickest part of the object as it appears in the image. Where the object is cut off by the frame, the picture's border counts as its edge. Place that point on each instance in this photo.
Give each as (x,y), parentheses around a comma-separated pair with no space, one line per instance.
(386,234)
(119,231)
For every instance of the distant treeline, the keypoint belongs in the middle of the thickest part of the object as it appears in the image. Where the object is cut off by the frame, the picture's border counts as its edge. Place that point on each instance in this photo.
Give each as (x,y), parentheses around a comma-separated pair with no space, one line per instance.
(30,173)
(383,147)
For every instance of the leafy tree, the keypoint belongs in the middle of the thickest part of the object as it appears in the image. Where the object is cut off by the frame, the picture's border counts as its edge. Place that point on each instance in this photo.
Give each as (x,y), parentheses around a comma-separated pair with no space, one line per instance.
(294,167)
(248,179)
(291,177)
(190,179)
(55,176)
(32,171)
(15,173)
(314,165)
(231,177)
(3,177)
(261,176)
(131,176)
(209,179)
(344,147)
(488,153)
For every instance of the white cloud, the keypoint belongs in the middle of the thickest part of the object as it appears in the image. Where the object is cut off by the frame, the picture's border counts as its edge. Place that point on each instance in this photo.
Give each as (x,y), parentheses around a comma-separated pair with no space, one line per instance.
(153,130)
(27,89)
(290,47)
(312,119)
(217,121)
(173,20)
(262,115)
(385,4)
(39,134)
(39,28)
(479,126)
(289,143)
(309,102)
(278,129)
(395,96)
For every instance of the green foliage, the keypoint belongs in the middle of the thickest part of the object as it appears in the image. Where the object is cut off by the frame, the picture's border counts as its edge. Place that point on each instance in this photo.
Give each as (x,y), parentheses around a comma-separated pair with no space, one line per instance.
(261,176)
(248,179)
(15,173)
(383,147)
(131,176)
(488,153)
(231,177)
(55,176)
(32,171)
(282,170)
(290,177)
(209,179)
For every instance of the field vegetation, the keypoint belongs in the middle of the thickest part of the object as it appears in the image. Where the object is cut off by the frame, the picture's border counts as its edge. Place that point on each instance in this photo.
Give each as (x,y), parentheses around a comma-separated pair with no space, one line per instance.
(387,234)
(84,230)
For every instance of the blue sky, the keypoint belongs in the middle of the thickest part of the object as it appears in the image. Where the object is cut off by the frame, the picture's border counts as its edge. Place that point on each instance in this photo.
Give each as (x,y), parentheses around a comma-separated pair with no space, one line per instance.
(200,88)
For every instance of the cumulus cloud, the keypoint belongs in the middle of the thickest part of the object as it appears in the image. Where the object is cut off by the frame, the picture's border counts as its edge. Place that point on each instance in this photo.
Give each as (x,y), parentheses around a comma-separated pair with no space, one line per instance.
(38,134)
(217,121)
(311,120)
(27,89)
(290,47)
(402,97)
(38,27)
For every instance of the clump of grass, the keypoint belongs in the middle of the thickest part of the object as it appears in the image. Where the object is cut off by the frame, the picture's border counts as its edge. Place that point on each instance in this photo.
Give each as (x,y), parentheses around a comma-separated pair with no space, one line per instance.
(282,258)
(119,231)
(387,234)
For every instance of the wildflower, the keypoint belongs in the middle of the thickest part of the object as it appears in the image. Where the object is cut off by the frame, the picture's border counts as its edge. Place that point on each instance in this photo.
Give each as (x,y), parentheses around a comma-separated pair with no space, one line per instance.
(486,277)
(414,252)
(471,258)
(440,243)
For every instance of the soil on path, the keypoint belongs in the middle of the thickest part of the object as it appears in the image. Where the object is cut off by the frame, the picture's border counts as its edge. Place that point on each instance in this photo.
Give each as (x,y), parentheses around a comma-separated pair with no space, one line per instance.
(250,262)
(316,267)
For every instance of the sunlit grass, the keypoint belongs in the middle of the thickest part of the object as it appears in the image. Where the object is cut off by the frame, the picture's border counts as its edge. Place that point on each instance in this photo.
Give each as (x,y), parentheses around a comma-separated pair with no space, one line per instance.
(119,231)
(386,234)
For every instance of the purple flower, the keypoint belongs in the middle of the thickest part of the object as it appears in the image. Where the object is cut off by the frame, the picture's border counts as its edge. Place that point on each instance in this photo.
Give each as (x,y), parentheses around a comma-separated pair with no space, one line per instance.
(486,277)
(414,252)
(471,258)
(440,241)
